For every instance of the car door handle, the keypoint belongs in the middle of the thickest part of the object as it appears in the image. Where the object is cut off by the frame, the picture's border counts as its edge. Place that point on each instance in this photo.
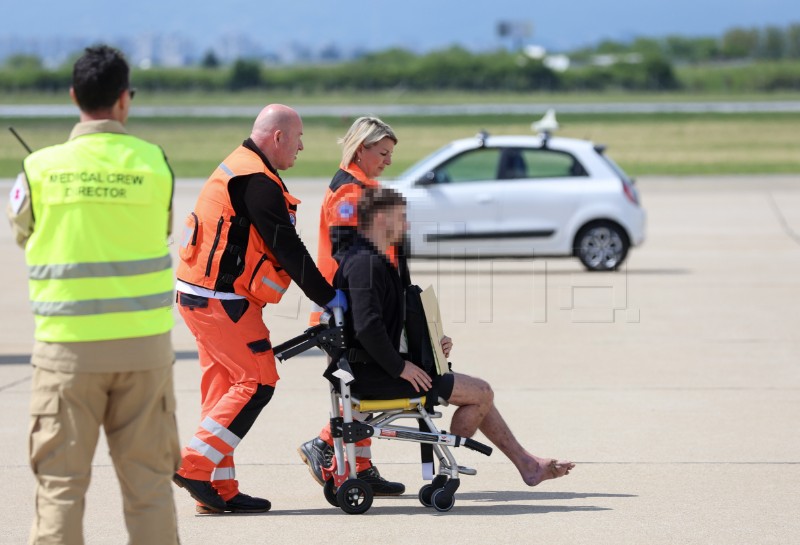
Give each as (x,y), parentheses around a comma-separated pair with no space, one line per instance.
(484,199)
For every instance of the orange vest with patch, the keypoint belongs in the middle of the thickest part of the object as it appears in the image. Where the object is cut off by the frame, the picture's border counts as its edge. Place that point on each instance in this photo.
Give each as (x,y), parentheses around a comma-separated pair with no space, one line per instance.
(223,252)
(339,210)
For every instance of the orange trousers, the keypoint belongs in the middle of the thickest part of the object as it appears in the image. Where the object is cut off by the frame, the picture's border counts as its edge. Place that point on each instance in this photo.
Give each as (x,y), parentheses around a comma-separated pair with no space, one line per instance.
(238,380)
(363,449)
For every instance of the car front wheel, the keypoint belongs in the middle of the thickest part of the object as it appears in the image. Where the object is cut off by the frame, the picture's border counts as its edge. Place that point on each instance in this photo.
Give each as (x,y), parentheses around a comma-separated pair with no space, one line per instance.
(602,246)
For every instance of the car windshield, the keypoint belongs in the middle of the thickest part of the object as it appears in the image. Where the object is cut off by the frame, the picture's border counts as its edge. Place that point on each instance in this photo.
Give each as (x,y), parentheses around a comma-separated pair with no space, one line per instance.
(414,170)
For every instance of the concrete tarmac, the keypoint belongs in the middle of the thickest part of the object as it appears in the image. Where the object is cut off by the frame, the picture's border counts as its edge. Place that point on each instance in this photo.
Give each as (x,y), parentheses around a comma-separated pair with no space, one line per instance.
(674,384)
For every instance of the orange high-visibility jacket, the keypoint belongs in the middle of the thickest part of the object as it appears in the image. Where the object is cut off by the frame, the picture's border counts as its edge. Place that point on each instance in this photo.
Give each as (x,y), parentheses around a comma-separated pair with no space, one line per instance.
(339,210)
(223,252)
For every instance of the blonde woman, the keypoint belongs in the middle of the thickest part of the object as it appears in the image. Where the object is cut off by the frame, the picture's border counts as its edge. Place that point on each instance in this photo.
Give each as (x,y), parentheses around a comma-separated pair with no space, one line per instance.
(366,151)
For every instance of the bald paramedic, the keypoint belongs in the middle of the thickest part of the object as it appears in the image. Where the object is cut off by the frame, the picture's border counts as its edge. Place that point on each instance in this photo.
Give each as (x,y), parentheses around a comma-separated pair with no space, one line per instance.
(239,251)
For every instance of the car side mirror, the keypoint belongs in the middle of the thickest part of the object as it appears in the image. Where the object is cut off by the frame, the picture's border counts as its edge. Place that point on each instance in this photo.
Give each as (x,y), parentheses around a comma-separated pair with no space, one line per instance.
(429,178)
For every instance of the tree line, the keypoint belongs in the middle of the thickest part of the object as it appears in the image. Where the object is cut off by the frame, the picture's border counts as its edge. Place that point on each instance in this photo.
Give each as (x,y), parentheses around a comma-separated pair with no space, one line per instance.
(765,59)
(736,44)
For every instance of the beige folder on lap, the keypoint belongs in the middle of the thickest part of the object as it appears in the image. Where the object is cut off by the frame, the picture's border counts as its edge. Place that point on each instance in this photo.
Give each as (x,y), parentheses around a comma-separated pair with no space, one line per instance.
(431,307)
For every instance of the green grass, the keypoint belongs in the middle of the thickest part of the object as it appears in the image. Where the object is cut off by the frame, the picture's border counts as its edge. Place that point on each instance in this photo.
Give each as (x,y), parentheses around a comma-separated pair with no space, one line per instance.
(651,144)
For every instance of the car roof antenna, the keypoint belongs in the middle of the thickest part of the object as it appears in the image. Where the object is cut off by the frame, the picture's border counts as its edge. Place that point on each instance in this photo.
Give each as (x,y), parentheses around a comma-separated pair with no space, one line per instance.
(546,125)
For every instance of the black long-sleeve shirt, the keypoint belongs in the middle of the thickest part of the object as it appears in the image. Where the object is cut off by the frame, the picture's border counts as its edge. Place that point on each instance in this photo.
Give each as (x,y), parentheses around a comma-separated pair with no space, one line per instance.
(261,201)
(374,319)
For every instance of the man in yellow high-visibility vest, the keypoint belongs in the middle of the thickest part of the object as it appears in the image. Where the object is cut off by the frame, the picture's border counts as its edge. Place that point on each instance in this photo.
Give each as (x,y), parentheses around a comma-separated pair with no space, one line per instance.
(93,215)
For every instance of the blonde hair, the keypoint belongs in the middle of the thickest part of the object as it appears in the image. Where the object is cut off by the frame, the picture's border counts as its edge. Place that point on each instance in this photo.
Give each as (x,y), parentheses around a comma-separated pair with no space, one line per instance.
(366,131)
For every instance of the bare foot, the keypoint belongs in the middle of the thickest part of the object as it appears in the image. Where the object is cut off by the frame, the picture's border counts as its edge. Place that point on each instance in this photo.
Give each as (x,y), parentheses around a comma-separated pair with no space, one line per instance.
(547,468)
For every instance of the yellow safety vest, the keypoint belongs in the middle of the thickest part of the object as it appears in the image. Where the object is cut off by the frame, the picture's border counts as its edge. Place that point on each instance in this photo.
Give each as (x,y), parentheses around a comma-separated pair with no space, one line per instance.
(98,263)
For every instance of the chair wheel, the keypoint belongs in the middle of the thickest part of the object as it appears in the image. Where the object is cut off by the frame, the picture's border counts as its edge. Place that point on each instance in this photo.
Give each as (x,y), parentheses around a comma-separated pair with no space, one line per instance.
(425,494)
(443,500)
(427,491)
(354,496)
(330,492)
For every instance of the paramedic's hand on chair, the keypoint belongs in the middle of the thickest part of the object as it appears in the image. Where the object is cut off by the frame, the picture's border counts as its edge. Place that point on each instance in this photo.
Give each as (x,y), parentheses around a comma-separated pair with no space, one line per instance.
(338,306)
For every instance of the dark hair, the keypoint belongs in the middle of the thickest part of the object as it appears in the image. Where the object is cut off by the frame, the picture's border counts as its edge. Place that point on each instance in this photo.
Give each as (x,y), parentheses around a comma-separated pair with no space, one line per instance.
(374,200)
(98,78)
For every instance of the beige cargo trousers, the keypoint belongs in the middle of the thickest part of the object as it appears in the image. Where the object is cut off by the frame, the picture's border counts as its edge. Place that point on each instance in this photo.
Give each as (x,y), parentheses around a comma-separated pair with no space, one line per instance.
(137,412)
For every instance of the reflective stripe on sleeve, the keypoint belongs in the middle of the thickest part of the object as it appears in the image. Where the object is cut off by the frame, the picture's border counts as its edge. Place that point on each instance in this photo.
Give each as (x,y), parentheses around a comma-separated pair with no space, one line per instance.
(99,270)
(218,430)
(91,307)
(206,450)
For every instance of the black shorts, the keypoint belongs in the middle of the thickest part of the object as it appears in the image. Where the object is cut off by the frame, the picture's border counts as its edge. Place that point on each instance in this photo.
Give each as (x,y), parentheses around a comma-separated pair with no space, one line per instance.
(369,386)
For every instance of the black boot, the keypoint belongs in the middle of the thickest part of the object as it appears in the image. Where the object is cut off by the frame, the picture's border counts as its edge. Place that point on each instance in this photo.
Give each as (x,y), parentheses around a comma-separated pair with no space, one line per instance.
(240,503)
(316,454)
(379,485)
(201,491)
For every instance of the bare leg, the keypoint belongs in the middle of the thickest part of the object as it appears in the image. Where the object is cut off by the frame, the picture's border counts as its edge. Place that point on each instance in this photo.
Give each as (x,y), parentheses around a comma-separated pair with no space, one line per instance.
(476,411)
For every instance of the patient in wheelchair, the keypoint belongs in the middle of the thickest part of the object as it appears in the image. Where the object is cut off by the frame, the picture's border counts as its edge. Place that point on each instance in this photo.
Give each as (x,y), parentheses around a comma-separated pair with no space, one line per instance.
(378,353)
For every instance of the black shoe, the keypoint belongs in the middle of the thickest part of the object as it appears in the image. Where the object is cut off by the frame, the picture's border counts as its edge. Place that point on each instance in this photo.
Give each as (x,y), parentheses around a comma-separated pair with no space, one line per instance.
(201,491)
(316,454)
(379,485)
(240,503)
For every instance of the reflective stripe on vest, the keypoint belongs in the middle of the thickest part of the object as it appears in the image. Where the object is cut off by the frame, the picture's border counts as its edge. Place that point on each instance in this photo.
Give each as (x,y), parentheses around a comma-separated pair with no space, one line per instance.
(99,270)
(98,263)
(280,289)
(102,306)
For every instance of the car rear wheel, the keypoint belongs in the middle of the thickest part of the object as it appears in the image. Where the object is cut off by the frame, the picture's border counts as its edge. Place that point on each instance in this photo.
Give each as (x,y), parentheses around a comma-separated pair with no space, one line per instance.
(602,246)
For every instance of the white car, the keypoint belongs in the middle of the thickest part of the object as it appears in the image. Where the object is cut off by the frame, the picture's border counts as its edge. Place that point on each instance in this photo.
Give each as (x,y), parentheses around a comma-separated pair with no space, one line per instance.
(524,196)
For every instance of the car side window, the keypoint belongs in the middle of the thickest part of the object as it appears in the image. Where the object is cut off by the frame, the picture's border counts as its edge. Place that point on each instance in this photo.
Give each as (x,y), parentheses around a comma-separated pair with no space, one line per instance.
(472,166)
(545,163)
(512,164)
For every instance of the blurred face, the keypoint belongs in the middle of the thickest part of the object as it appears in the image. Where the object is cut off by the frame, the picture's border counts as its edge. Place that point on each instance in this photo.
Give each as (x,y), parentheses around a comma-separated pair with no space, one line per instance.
(288,143)
(377,157)
(396,224)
